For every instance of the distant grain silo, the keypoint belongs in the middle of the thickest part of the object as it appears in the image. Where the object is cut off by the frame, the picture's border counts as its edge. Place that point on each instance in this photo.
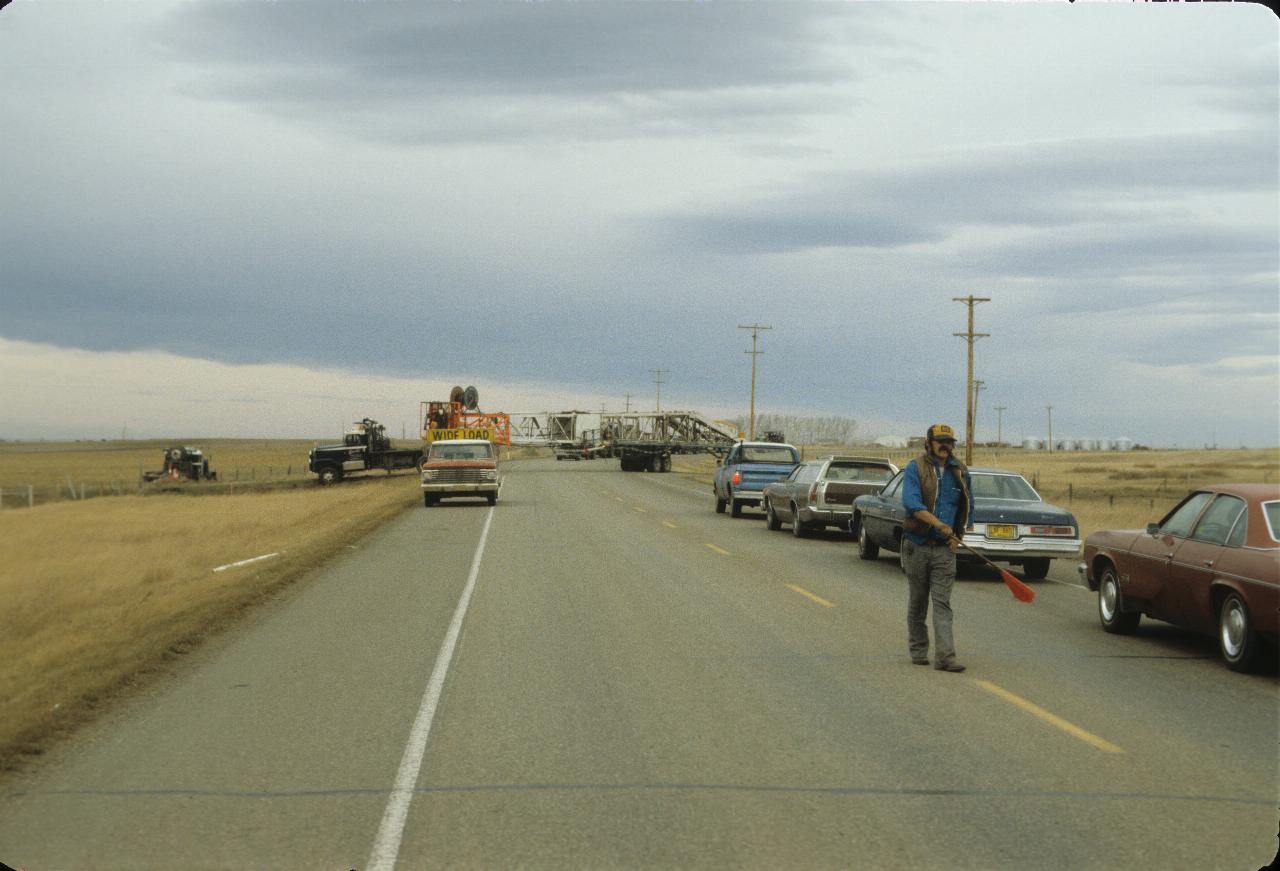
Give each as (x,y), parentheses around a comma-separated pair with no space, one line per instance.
(1065,445)
(1124,444)
(1032,445)
(1106,444)
(1088,444)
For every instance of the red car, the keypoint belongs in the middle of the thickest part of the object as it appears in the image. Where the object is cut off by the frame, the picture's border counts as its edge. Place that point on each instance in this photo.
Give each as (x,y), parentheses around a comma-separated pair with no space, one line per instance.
(1211,565)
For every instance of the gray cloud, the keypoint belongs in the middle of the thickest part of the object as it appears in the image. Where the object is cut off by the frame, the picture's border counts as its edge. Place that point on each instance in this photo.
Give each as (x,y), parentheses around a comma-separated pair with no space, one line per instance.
(459,72)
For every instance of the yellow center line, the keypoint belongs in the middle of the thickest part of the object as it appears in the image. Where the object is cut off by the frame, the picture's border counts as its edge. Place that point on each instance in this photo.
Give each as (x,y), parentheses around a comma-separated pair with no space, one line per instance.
(638,508)
(718,550)
(802,591)
(1053,719)
(669,524)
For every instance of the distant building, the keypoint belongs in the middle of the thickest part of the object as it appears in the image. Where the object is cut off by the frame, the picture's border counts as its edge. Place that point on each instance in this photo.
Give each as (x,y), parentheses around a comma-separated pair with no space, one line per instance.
(892,441)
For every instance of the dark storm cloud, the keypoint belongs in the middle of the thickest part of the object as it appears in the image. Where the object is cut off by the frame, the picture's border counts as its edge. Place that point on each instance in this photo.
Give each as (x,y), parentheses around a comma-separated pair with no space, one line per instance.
(1122,183)
(475,70)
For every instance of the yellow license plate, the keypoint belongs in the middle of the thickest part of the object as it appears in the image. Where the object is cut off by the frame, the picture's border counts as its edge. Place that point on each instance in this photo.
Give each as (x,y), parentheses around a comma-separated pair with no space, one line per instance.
(1001,530)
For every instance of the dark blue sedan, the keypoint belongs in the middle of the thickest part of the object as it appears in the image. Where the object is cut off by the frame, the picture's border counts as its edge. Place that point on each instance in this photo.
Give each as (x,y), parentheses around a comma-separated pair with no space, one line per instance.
(1011,523)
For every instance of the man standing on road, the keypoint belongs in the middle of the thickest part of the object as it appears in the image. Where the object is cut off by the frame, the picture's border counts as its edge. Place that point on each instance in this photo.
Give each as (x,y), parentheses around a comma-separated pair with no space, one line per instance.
(939,503)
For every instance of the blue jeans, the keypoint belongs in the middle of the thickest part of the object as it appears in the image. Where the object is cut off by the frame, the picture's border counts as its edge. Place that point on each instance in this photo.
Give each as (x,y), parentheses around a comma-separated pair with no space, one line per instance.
(931,572)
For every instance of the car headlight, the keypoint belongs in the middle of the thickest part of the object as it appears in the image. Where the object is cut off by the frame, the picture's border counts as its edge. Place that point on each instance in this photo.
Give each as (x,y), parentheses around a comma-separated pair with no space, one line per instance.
(491,474)
(429,474)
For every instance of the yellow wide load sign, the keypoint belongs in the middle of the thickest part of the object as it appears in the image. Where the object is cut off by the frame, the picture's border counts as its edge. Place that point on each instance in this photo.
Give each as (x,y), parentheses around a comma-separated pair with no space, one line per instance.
(444,435)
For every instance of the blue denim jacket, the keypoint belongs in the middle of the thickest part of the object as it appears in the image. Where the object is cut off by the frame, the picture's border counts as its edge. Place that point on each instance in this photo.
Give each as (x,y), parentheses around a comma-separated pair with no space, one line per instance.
(949,495)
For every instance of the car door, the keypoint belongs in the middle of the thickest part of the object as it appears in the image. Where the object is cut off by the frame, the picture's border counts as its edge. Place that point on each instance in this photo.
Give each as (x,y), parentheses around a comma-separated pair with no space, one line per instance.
(881,516)
(780,493)
(1151,556)
(1195,564)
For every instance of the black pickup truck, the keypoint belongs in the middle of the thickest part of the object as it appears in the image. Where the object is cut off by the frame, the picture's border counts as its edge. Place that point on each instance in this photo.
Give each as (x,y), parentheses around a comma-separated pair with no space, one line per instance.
(365,446)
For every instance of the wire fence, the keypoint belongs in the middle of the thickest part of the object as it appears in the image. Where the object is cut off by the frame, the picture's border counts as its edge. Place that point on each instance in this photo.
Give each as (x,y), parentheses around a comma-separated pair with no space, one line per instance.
(29,494)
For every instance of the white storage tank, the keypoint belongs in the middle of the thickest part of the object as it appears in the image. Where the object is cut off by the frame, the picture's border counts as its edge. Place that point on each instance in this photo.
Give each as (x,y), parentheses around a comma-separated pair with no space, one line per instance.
(1088,444)
(1032,445)
(1106,444)
(1124,444)
(1065,445)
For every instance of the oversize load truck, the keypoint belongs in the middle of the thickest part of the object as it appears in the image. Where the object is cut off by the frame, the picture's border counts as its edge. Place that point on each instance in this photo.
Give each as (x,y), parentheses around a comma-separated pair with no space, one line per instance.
(364,446)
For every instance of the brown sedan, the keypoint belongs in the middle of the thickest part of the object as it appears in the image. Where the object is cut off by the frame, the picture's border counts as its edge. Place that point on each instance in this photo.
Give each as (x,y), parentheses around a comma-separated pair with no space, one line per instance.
(1212,565)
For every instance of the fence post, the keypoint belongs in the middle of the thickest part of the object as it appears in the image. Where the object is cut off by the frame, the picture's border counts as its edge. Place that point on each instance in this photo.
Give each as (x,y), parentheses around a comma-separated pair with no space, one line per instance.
(1070,490)
(31,496)
(1,497)
(1112,500)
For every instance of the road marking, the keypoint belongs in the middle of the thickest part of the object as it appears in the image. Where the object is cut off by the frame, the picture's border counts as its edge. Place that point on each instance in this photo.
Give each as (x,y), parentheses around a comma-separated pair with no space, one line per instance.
(1053,719)
(638,508)
(669,524)
(619,498)
(802,591)
(718,550)
(245,562)
(386,846)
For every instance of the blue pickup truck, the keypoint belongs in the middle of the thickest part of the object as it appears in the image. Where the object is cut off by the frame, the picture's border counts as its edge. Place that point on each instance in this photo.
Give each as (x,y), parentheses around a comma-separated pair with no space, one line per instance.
(746,469)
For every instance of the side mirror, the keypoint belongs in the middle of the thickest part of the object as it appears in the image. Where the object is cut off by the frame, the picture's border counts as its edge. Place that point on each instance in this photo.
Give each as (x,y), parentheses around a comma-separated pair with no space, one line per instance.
(1153,529)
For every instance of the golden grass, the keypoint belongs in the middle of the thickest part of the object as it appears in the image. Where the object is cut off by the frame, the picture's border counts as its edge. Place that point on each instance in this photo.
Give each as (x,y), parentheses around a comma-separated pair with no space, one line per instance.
(115,468)
(1103,490)
(95,593)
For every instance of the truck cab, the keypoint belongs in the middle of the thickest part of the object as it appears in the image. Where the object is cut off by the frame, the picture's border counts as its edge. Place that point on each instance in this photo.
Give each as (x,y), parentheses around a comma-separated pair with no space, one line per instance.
(746,469)
(454,468)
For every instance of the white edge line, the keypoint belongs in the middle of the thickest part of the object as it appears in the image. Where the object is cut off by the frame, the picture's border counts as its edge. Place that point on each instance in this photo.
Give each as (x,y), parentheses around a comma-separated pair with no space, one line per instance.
(386,846)
(245,562)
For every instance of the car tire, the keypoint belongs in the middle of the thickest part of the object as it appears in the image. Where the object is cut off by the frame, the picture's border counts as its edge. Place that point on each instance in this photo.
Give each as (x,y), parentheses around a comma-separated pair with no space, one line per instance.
(720,505)
(867,549)
(770,518)
(735,507)
(1036,569)
(798,528)
(491,498)
(428,499)
(1111,613)
(329,475)
(1237,638)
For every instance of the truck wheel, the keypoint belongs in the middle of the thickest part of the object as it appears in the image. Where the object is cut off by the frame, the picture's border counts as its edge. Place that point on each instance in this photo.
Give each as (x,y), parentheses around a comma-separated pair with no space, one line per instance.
(720,505)
(655,463)
(735,508)
(329,475)
(666,463)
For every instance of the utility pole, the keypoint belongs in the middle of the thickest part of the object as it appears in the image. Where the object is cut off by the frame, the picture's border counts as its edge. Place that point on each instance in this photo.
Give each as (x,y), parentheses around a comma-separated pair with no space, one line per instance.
(970,301)
(628,398)
(1049,444)
(977,391)
(1000,424)
(657,380)
(755,335)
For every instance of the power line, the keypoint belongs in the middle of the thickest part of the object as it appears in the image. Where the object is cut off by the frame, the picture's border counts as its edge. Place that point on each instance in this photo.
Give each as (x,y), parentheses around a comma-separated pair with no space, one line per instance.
(657,380)
(755,335)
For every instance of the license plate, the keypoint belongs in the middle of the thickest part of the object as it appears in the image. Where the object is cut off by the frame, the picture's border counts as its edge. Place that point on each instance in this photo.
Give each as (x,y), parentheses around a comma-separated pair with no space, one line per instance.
(1002,530)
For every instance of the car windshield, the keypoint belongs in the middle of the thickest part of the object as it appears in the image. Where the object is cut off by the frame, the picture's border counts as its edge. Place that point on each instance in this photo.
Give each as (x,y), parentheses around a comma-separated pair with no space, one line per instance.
(461,452)
(766,454)
(1002,487)
(865,472)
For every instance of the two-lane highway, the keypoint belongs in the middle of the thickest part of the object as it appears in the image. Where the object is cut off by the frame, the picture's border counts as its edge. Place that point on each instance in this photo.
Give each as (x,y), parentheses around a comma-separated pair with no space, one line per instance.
(602,672)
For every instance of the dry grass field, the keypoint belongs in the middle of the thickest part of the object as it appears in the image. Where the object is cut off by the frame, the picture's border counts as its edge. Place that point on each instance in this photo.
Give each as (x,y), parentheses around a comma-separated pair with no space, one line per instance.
(97,593)
(1105,490)
(115,467)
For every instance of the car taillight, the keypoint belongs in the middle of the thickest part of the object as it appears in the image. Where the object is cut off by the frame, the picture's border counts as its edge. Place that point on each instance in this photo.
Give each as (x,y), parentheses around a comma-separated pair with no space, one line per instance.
(1053,530)
(813,493)
(737,477)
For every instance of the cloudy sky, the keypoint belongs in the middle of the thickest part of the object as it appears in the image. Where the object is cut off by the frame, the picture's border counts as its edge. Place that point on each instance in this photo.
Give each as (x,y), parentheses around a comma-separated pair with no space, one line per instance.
(265,218)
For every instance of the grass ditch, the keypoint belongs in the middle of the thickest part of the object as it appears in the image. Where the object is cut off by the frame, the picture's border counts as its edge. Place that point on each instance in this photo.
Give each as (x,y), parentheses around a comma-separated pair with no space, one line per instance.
(99,596)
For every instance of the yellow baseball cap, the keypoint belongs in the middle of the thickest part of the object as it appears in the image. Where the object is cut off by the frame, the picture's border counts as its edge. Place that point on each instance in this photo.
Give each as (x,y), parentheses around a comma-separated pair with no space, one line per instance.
(940,431)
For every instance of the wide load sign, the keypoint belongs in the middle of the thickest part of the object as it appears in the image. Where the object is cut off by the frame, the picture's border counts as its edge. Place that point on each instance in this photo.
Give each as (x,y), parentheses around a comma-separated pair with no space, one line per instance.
(445,435)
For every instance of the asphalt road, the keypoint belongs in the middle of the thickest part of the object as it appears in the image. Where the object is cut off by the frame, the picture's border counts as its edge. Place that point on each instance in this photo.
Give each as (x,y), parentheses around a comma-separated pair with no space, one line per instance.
(632,680)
